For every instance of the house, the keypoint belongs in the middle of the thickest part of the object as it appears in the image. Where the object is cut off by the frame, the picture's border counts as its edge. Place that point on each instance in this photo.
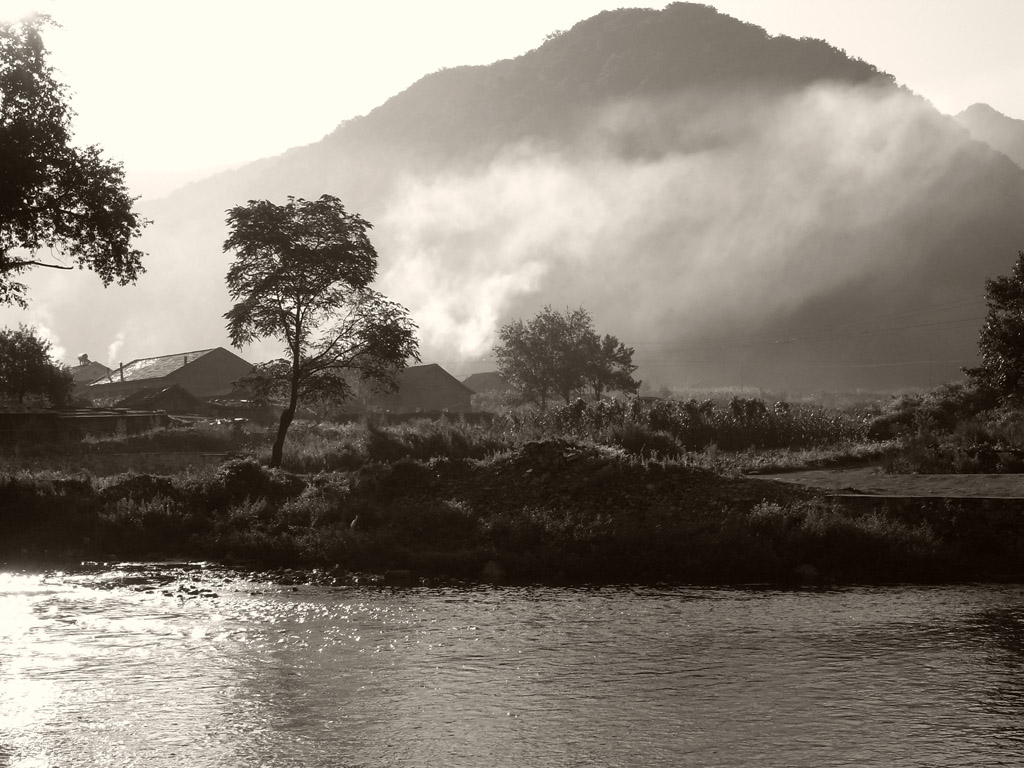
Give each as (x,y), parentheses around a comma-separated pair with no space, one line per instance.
(173,399)
(203,373)
(86,372)
(425,388)
(486,383)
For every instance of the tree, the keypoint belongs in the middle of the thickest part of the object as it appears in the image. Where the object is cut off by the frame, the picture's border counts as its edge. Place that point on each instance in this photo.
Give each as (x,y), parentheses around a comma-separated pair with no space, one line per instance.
(53,196)
(1001,341)
(560,353)
(26,368)
(547,355)
(301,275)
(611,367)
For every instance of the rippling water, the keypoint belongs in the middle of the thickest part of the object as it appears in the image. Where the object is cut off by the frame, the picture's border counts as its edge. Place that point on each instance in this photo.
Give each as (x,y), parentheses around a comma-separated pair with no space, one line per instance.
(136,667)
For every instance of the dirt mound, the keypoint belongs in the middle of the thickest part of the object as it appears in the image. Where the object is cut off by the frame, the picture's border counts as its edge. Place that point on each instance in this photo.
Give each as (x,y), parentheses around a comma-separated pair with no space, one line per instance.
(596,479)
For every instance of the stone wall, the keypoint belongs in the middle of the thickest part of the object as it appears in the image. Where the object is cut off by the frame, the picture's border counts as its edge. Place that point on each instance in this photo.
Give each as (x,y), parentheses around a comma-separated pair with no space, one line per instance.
(43,426)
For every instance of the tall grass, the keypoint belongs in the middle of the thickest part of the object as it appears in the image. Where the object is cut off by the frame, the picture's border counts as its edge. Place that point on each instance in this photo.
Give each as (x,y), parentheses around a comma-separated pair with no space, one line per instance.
(955,428)
(350,446)
(672,428)
(604,517)
(731,435)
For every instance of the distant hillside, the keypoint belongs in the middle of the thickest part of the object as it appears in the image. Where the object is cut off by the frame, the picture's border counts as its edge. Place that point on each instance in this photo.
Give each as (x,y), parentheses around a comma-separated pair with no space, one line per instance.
(1000,132)
(743,209)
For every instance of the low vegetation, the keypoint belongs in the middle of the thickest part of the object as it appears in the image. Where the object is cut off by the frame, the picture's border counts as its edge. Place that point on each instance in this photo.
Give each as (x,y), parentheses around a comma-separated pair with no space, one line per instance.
(957,428)
(628,491)
(734,435)
(547,512)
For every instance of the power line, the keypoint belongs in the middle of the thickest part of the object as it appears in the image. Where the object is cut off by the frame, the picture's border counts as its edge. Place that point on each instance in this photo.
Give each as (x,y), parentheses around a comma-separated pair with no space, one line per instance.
(941,307)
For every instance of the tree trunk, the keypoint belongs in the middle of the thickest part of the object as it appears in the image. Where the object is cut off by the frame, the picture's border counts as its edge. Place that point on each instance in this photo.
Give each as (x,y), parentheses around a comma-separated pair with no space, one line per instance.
(282,429)
(277,453)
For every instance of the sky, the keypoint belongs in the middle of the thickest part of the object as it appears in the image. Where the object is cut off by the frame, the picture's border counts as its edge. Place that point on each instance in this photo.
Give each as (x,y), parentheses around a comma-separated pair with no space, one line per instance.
(177,90)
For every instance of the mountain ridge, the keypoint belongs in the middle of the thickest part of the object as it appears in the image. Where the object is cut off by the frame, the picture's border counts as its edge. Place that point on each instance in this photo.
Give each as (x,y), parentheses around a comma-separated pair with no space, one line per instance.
(1001,132)
(708,191)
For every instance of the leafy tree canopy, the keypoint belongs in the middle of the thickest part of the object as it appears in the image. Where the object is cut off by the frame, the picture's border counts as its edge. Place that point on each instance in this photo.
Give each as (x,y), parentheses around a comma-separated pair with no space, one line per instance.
(1001,342)
(559,353)
(54,197)
(301,275)
(26,368)
(610,367)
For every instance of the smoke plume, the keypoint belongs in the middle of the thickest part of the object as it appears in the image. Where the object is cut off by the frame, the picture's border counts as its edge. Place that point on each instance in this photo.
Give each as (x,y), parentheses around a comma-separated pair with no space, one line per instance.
(678,220)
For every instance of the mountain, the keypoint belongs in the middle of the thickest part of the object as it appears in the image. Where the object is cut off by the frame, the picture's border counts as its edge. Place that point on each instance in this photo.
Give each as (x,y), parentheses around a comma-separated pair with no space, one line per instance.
(742,209)
(1000,132)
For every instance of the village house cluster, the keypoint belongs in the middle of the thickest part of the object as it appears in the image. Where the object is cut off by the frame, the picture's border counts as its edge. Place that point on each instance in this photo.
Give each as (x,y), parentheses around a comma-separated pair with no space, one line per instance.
(203,383)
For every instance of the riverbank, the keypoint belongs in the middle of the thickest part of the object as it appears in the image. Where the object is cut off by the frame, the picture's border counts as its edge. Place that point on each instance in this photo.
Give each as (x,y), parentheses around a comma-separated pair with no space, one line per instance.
(874,481)
(551,511)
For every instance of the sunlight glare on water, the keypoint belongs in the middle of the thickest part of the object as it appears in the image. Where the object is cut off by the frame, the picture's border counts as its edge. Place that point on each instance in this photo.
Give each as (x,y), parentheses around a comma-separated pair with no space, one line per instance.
(137,666)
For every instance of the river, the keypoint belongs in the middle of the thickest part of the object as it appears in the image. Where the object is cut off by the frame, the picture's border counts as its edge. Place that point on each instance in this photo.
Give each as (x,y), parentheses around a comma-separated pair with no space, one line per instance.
(190,666)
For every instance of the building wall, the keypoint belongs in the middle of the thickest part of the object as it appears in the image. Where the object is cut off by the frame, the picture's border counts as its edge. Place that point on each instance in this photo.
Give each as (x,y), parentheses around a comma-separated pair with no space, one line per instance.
(108,394)
(212,375)
(173,400)
(88,373)
(432,398)
(42,426)
(484,383)
(429,388)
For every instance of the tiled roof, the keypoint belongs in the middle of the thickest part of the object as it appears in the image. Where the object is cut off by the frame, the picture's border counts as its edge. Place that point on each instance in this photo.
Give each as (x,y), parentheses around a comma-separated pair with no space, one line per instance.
(153,367)
(416,376)
(487,382)
(89,372)
(144,397)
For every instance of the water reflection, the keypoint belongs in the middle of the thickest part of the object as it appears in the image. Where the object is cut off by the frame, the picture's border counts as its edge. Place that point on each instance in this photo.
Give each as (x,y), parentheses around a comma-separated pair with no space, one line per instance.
(134,666)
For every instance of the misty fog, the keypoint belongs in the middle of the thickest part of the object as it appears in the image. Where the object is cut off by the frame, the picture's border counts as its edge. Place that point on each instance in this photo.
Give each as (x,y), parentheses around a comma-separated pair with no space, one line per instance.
(717,233)
(695,221)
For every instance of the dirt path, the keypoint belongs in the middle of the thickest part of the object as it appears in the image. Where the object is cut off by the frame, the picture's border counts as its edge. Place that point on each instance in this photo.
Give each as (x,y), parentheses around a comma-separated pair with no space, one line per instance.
(872,481)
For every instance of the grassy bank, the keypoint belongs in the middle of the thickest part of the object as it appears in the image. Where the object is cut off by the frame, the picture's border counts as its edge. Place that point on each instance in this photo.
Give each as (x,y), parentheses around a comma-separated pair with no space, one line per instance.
(549,511)
(601,493)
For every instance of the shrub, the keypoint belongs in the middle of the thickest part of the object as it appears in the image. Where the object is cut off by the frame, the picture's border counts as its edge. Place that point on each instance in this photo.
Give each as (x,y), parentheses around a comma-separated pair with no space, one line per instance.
(240,479)
(842,546)
(157,526)
(643,441)
(136,487)
(942,408)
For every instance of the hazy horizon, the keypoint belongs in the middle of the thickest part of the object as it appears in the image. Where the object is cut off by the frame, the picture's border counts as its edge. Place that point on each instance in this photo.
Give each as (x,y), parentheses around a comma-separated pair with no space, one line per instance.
(414,218)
